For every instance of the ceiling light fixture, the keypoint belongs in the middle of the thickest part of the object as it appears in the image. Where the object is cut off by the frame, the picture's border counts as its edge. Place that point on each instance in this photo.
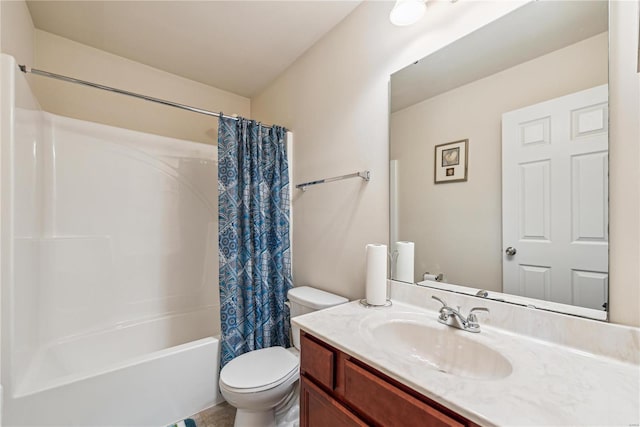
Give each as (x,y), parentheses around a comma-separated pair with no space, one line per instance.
(407,12)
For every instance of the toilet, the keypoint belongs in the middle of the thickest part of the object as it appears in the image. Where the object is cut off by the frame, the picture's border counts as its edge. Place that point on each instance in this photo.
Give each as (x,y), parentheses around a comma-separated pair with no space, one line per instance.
(261,382)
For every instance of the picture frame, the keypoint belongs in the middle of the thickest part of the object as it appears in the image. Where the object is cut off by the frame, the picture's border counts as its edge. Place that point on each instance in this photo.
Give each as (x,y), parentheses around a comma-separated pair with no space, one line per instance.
(451,162)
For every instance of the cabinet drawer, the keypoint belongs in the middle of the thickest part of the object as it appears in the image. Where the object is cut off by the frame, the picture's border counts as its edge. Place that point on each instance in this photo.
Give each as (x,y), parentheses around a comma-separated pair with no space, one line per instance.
(317,361)
(320,410)
(386,404)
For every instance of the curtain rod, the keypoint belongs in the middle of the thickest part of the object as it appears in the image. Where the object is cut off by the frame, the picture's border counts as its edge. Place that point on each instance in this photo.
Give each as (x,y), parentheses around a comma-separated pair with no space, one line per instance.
(27,70)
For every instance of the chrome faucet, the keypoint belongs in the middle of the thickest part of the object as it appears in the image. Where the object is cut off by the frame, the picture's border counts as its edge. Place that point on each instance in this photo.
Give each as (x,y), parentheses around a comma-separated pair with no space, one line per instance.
(452,317)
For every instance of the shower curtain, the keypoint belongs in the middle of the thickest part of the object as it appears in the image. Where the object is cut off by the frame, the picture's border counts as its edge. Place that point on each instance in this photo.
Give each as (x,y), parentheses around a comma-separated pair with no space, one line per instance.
(254,249)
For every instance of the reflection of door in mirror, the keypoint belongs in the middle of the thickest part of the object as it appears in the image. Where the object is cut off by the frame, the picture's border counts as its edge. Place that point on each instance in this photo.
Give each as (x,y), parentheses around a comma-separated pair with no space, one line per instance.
(554,199)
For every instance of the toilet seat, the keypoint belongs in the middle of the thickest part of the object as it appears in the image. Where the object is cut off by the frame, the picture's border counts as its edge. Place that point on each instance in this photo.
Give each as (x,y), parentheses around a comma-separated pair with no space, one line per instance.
(260,370)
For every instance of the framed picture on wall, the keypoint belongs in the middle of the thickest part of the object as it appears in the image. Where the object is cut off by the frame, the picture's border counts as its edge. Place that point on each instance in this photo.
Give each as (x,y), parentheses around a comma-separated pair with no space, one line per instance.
(451,161)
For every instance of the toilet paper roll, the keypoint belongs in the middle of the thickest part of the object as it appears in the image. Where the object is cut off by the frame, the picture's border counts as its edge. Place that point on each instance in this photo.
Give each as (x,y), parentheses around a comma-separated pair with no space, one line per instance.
(376,285)
(404,261)
(434,277)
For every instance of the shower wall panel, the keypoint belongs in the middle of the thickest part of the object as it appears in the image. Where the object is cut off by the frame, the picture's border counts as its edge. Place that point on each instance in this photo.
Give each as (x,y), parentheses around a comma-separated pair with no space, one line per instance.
(21,221)
(104,231)
(131,229)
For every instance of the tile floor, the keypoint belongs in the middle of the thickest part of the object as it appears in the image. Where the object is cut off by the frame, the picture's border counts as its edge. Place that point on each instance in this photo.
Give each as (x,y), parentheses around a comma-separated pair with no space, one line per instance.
(221,415)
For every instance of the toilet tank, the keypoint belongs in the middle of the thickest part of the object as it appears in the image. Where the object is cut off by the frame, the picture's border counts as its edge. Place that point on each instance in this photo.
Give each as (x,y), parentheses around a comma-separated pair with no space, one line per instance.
(305,299)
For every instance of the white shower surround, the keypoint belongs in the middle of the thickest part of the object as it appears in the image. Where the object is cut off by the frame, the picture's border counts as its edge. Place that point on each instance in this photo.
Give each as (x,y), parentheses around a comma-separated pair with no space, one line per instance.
(110,307)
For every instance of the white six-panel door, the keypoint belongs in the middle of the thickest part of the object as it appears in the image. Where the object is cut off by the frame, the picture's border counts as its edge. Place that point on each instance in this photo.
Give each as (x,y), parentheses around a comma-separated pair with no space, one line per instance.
(555,199)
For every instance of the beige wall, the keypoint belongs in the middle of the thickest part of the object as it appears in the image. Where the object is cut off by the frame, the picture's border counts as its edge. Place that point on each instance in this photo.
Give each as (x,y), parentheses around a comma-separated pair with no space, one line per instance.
(335,98)
(49,52)
(457,227)
(624,174)
(63,56)
(17,33)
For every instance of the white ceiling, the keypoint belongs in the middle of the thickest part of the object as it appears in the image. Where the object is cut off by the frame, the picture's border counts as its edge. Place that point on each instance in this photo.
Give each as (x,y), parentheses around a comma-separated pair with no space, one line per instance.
(239,46)
(530,31)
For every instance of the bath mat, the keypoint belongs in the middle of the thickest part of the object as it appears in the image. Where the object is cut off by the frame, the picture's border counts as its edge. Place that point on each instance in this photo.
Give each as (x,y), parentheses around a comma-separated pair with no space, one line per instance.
(185,423)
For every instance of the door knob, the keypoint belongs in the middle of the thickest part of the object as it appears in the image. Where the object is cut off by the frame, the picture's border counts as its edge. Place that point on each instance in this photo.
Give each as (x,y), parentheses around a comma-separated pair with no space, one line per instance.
(510,251)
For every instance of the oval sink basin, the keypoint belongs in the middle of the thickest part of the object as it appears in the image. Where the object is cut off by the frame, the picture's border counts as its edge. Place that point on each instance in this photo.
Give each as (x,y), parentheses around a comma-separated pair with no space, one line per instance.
(443,348)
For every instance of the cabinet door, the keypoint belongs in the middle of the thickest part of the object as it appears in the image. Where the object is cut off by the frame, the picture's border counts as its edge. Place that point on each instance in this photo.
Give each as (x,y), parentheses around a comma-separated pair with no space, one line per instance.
(387,405)
(317,409)
(317,361)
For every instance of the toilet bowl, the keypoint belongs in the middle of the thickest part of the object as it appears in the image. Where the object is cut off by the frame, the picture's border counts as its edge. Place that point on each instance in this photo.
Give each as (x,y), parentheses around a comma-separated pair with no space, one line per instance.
(262,382)
(258,382)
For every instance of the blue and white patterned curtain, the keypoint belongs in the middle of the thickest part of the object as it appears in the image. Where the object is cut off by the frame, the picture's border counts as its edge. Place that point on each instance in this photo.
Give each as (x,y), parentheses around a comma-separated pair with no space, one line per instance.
(253,236)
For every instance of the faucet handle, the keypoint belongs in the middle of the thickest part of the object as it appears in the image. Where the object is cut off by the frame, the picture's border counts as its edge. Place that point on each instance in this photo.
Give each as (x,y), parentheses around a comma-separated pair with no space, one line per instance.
(479,309)
(440,300)
(472,320)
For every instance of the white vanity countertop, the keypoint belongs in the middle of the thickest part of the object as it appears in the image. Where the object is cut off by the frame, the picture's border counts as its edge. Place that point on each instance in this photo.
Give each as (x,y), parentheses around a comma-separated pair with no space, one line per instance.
(550,384)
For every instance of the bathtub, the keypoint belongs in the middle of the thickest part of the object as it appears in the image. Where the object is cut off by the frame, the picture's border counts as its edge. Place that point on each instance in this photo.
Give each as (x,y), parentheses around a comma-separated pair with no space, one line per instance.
(109,281)
(137,375)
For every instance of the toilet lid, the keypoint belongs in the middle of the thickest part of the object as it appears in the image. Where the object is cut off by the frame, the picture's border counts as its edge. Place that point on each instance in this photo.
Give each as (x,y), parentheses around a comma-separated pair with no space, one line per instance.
(259,368)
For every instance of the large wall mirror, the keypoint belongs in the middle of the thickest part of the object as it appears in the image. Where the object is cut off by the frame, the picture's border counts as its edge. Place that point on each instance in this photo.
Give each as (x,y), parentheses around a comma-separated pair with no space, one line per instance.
(499,161)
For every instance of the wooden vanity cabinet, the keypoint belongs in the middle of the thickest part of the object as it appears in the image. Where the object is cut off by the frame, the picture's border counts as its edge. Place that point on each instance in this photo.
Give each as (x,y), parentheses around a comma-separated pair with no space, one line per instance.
(322,410)
(337,390)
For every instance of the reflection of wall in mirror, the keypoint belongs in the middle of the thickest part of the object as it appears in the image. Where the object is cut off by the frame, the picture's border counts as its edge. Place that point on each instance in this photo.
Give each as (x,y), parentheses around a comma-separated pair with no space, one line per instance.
(457,227)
